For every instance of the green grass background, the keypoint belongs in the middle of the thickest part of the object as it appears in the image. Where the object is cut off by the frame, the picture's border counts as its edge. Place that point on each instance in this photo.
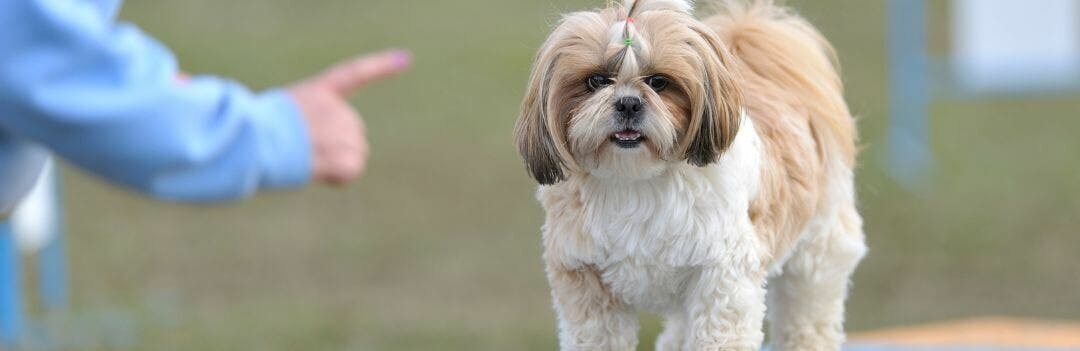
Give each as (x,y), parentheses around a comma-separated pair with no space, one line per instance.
(437,248)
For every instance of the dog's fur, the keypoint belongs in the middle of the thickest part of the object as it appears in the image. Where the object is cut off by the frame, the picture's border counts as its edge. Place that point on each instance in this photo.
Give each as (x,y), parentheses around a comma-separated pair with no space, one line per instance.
(743,179)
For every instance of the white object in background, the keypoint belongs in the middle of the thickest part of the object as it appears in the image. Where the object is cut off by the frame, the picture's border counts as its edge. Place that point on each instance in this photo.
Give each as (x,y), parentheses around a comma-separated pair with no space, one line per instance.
(1016,45)
(34,219)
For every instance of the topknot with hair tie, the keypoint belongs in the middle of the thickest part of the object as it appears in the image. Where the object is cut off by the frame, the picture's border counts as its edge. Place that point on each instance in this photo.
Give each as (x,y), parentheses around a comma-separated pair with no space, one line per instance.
(628,38)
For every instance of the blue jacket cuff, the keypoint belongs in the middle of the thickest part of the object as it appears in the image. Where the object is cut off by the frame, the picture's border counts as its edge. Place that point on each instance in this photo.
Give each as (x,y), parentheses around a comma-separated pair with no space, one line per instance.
(285,148)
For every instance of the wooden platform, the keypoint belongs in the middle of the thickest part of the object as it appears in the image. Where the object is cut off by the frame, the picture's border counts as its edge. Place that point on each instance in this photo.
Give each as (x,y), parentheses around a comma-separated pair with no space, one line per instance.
(973,335)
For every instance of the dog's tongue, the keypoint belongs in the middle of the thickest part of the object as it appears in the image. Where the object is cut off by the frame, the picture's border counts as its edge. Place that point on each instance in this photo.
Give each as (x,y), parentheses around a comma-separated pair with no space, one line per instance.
(628,135)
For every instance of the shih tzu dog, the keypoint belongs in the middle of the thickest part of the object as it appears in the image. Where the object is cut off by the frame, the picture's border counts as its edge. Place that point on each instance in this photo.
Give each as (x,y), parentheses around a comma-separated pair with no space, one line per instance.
(694,169)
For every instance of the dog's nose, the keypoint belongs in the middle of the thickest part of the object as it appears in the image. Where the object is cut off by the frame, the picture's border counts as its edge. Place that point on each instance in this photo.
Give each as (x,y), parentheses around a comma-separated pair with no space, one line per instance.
(629,107)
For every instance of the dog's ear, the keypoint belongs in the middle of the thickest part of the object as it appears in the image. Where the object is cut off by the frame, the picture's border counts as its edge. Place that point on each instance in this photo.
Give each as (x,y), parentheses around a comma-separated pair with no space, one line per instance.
(717,109)
(537,128)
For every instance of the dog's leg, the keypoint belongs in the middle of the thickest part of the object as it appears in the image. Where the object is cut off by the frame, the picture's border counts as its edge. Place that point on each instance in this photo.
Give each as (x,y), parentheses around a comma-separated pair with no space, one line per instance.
(674,334)
(726,311)
(726,303)
(806,303)
(590,318)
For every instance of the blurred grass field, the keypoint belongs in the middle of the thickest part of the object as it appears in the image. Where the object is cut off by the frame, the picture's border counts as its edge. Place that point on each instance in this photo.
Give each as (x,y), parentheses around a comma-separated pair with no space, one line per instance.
(438,247)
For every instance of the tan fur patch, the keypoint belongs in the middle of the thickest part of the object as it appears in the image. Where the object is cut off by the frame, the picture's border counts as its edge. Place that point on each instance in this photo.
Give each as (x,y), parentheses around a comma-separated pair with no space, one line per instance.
(795,97)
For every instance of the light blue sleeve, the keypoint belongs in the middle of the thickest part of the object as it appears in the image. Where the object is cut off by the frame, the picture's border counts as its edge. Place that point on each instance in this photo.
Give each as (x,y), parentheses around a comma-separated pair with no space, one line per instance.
(105,97)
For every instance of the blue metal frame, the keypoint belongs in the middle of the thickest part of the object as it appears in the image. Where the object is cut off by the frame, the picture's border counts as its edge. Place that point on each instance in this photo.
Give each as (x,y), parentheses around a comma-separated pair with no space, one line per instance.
(11,308)
(52,260)
(52,272)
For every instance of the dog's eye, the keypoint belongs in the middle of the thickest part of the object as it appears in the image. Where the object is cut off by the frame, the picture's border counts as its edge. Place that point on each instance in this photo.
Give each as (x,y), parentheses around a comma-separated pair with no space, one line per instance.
(597,81)
(657,83)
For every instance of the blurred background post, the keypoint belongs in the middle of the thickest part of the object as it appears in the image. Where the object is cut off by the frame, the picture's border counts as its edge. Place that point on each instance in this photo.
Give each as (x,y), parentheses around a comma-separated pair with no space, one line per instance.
(999,47)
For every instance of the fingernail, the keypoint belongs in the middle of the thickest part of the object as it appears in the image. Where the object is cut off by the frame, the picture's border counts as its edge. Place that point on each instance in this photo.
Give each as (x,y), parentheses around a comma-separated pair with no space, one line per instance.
(401,58)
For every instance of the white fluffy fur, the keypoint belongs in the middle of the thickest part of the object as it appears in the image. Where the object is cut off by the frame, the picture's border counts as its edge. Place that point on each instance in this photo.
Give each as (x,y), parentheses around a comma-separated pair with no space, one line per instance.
(679,244)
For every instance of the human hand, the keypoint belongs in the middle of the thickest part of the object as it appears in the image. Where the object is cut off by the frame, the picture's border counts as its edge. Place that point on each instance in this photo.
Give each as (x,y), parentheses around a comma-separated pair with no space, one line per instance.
(338,136)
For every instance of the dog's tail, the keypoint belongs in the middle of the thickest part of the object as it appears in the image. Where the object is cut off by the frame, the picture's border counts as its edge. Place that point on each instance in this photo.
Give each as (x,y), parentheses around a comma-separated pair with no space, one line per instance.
(784,57)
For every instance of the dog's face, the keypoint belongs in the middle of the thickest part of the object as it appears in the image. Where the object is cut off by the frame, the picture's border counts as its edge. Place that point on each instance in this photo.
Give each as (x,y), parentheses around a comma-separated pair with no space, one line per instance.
(626,91)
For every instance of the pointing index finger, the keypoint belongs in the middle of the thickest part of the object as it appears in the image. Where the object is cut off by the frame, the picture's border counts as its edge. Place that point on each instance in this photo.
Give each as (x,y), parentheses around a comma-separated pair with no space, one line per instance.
(355,73)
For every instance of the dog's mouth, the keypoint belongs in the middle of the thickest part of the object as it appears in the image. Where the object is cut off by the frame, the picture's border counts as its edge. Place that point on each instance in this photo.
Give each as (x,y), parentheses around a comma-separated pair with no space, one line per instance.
(627,138)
